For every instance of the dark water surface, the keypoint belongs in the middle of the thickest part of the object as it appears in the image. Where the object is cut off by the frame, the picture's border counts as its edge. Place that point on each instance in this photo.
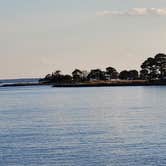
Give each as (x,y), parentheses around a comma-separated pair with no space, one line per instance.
(116,126)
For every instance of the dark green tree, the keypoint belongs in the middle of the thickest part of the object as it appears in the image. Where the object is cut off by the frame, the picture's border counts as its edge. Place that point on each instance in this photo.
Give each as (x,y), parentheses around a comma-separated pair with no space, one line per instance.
(150,66)
(96,74)
(124,75)
(144,74)
(160,60)
(112,72)
(133,75)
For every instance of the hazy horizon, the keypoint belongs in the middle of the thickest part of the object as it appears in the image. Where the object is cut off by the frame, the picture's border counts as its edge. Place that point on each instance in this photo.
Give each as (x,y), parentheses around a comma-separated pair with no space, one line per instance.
(39,37)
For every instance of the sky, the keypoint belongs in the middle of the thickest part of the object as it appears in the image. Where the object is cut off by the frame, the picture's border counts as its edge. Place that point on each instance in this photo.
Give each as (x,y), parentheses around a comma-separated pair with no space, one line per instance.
(40,36)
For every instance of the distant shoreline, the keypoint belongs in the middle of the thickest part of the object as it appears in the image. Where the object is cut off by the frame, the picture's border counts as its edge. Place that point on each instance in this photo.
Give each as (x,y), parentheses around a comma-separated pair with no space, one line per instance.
(94,84)
(113,83)
(20,84)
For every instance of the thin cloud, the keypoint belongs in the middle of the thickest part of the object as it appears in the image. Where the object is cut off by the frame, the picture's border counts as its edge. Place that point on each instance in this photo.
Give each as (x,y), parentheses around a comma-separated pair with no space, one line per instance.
(135,12)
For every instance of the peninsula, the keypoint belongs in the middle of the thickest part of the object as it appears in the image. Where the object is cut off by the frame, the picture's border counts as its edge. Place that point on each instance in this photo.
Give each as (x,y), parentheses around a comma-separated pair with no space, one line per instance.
(153,72)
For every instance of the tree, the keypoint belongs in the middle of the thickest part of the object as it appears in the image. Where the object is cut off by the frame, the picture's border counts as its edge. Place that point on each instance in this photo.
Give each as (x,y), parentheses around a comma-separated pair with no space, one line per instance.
(144,74)
(133,75)
(160,60)
(154,68)
(112,72)
(46,79)
(96,74)
(150,66)
(123,75)
(67,79)
(57,72)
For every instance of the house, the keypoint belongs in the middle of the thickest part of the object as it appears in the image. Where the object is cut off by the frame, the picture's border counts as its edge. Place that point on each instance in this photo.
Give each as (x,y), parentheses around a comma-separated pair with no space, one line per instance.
(85,74)
(77,75)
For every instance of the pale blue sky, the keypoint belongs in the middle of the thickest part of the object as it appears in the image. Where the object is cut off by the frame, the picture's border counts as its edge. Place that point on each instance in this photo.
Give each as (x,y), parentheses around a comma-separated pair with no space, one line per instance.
(40,36)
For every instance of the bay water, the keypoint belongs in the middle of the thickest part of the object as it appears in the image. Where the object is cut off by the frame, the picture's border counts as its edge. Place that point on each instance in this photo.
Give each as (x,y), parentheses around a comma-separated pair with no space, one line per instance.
(105,126)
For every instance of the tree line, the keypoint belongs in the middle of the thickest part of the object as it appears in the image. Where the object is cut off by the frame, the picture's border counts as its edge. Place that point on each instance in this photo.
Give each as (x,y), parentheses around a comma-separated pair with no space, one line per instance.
(153,68)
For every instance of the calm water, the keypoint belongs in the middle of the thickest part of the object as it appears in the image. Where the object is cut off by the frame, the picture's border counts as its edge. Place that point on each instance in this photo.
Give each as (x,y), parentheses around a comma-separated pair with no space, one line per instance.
(118,126)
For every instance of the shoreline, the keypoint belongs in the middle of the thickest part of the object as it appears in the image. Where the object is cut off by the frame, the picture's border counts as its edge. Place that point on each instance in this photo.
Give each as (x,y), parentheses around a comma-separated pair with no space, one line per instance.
(20,84)
(113,83)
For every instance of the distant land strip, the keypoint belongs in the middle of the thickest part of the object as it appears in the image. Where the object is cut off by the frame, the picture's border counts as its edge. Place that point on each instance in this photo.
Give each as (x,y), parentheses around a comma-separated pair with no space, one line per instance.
(153,72)
(113,83)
